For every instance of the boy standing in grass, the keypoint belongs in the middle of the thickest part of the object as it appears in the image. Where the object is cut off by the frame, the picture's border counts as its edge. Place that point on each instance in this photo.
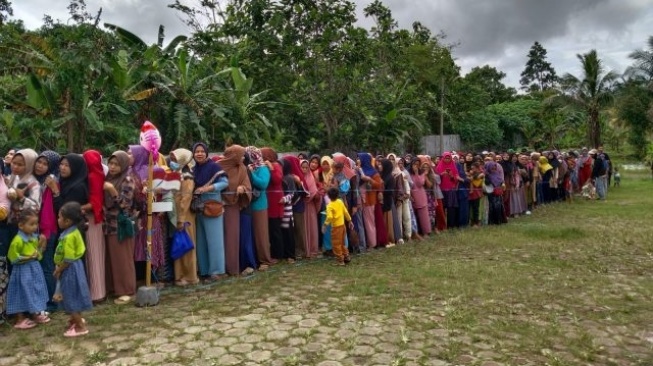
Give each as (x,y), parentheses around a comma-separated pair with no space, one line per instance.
(337,215)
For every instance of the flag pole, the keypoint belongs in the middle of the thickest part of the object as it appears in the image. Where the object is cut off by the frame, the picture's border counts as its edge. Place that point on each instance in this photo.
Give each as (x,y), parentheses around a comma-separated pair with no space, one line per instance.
(150,198)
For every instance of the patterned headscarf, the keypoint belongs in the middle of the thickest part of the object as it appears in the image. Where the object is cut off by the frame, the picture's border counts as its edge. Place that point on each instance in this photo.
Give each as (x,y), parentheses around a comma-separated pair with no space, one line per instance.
(53,164)
(255,155)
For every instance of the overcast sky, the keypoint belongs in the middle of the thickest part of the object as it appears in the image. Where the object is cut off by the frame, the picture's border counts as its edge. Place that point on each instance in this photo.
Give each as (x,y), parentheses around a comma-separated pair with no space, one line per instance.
(494,32)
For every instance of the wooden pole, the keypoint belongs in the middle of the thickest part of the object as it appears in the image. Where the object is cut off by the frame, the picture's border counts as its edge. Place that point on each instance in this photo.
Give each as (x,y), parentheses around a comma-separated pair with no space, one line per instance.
(150,196)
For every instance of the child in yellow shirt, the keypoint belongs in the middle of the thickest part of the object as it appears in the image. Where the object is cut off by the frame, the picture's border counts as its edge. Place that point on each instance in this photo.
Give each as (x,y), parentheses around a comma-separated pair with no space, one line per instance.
(337,215)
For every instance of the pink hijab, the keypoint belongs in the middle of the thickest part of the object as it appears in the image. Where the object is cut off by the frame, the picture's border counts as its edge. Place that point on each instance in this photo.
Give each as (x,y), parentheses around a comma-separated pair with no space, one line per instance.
(449,182)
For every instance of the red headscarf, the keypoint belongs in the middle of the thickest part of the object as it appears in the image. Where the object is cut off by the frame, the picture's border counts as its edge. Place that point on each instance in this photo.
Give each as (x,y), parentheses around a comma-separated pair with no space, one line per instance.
(95,183)
(296,167)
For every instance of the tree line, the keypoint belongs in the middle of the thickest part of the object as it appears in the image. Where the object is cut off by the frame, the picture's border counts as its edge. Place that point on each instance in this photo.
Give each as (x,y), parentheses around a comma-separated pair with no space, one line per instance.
(299,75)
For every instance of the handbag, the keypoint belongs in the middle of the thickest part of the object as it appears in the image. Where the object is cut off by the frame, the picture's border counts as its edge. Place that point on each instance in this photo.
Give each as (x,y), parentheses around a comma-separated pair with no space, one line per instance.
(181,244)
(199,206)
(212,208)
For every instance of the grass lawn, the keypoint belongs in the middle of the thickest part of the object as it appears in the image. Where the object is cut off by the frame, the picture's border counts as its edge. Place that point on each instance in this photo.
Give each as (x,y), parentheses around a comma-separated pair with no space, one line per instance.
(571,284)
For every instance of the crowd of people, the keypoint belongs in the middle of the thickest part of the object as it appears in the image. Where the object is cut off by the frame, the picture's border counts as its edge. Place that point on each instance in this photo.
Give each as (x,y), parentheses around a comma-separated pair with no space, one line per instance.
(73,227)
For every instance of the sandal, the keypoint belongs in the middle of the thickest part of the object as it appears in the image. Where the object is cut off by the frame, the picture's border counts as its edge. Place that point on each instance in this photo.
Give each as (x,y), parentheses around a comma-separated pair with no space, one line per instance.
(25,324)
(69,324)
(73,332)
(122,300)
(41,319)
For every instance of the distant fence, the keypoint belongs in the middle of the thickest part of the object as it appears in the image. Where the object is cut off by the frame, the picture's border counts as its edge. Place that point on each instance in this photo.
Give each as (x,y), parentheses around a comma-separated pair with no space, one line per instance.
(431,144)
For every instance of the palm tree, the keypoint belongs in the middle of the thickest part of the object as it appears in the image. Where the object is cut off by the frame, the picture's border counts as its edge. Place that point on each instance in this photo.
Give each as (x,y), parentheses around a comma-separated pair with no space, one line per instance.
(643,63)
(592,92)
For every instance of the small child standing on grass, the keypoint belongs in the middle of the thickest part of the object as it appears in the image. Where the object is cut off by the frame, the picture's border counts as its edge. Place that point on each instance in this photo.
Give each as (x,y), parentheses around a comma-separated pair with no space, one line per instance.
(27,292)
(336,216)
(74,292)
(617,177)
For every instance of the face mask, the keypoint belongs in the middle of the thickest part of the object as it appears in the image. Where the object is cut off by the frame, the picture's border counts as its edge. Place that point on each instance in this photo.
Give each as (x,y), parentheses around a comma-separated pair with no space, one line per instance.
(174,166)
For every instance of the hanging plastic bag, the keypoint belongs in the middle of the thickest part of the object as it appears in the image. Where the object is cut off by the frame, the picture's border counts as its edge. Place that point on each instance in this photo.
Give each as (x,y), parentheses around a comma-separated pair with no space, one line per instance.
(181,244)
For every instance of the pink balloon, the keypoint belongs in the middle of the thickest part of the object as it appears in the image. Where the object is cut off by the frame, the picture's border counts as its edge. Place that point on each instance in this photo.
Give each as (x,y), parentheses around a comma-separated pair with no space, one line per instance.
(150,137)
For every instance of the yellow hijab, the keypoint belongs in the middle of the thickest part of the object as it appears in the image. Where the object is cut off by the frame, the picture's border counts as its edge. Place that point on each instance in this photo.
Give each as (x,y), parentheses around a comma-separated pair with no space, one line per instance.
(544,165)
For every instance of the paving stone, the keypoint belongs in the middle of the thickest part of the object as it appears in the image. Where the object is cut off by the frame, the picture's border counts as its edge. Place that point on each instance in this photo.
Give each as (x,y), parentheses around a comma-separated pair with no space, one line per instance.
(291,318)
(235,332)
(334,354)
(363,351)
(220,326)
(382,358)
(267,346)
(313,347)
(491,363)
(329,363)
(214,352)
(241,348)
(309,323)
(243,324)
(153,358)
(251,338)
(277,335)
(387,347)
(229,360)
(260,355)
(225,341)
(295,341)
(345,334)
(124,361)
(412,354)
(465,359)
(368,340)
(287,351)
(371,330)
(194,329)
(168,348)
(197,345)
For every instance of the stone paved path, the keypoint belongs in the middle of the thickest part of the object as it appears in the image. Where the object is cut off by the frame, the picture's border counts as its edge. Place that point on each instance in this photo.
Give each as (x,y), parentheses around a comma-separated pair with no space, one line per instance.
(315,314)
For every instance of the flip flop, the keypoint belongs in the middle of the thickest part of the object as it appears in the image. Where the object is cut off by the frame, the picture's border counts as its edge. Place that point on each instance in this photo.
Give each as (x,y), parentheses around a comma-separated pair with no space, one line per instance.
(41,319)
(122,300)
(25,324)
(72,332)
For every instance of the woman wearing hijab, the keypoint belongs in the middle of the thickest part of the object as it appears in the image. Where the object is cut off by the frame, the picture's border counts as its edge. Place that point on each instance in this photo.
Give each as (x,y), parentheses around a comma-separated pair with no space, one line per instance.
(313,201)
(259,174)
(275,205)
(403,228)
(210,181)
(73,181)
(419,198)
(95,241)
(372,185)
(536,180)
(160,260)
(47,166)
(389,188)
(183,218)
(120,196)
(27,189)
(546,171)
(494,177)
(585,163)
(464,188)
(351,198)
(434,195)
(325,179)
(299,207)
(448,172)
(237,198)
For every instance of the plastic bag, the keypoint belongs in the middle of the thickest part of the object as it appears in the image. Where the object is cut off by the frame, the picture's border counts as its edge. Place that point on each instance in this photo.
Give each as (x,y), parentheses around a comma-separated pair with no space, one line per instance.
(181,244)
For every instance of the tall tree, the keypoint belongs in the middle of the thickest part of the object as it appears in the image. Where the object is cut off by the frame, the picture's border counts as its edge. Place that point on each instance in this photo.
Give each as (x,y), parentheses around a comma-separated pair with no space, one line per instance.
(5,11)
(592,92)
(538,74)
(489,80)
